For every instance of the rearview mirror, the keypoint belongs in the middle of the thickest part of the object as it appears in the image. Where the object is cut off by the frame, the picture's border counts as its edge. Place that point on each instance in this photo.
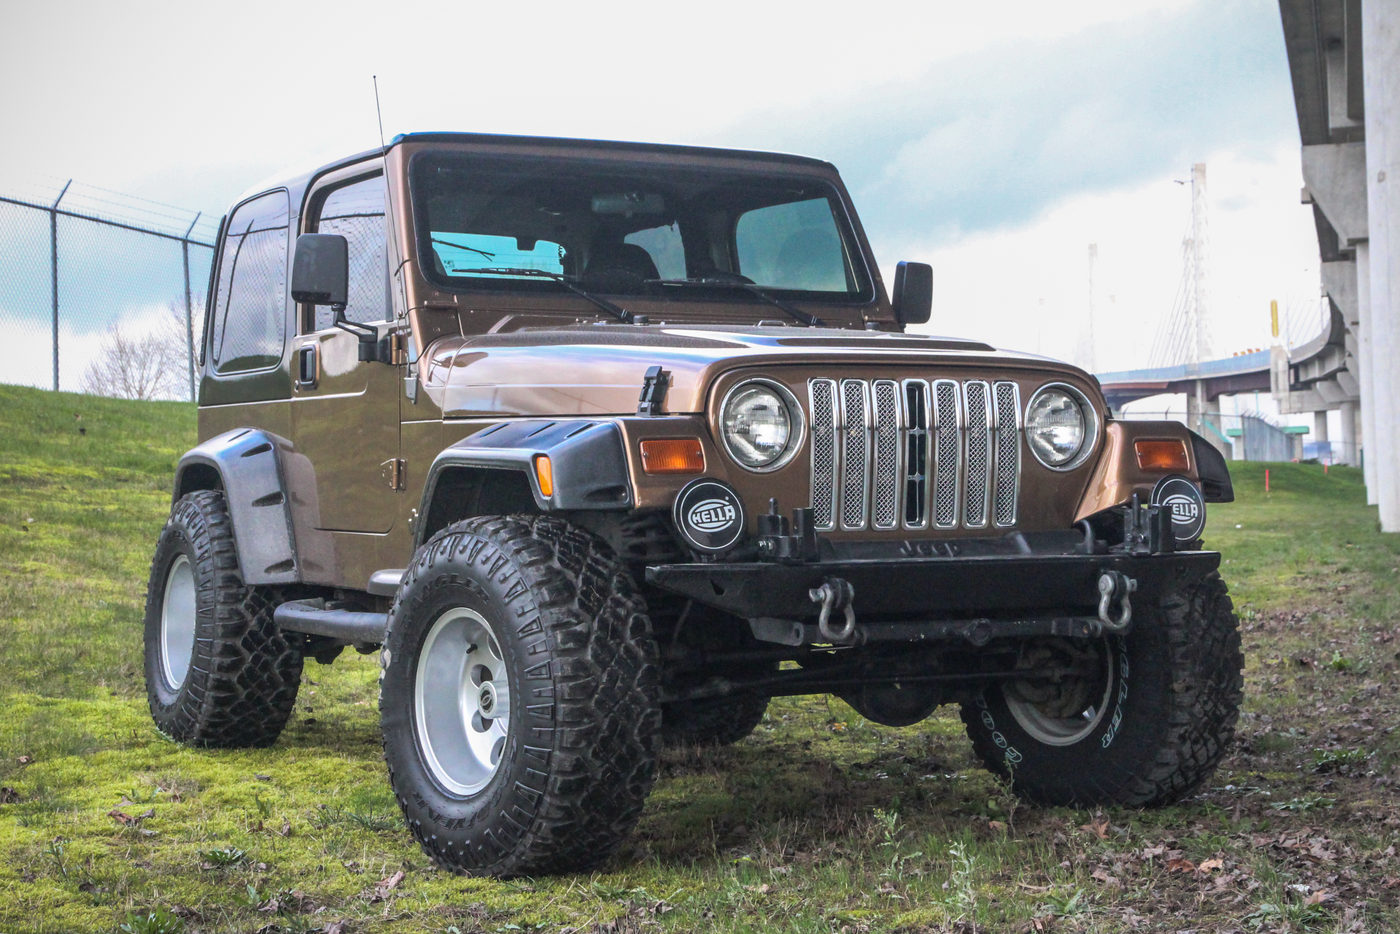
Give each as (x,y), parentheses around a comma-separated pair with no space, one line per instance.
(321,270)
(913,293)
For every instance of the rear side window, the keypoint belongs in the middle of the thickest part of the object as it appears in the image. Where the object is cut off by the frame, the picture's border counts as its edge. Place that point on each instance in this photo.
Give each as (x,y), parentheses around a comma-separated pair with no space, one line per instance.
(356,212)
(250,323)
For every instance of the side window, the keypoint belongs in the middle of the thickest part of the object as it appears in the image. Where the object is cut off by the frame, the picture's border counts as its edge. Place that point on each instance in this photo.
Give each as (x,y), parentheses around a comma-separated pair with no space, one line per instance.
(356,212)
(250,324)
(793,246)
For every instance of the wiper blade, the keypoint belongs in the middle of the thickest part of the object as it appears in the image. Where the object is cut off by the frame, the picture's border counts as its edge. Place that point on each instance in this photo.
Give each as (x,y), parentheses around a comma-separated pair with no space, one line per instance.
(726,283)
(620,314)
(460,246)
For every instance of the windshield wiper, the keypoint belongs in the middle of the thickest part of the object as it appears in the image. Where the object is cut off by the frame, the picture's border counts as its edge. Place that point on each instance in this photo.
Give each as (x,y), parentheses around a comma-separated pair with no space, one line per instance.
(719,282)
(459,246)
(620,314)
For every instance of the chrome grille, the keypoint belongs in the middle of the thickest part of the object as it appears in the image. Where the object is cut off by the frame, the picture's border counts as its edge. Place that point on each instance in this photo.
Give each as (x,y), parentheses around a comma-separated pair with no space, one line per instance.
(1008,453)
(916,454)
(855,453)
(947,413)
(884,492)
(978,426)
(822,393)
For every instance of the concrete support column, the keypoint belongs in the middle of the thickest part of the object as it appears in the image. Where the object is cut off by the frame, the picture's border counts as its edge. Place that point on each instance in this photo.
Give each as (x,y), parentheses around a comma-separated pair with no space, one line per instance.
(1320,438)
(1347,455)
(1363,352)
(1380,44)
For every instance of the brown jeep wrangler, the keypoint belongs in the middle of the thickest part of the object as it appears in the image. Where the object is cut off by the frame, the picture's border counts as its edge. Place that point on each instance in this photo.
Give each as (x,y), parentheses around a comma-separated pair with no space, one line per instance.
(605,444)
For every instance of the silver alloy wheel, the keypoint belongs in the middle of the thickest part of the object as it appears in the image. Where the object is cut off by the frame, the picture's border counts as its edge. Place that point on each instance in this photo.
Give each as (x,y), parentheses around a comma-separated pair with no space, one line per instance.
(177,622)
(461,702)
(1063,731)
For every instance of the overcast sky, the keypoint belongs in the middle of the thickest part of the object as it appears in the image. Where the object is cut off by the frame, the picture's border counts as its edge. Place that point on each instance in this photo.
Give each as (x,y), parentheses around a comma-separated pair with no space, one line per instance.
(994,141)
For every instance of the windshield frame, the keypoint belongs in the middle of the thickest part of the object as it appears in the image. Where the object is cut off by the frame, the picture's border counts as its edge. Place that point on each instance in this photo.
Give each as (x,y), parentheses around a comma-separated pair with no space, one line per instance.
(847,227)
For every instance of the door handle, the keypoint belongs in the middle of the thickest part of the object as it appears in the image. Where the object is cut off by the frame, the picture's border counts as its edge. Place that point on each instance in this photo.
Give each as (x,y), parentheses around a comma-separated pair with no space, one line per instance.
(308,367)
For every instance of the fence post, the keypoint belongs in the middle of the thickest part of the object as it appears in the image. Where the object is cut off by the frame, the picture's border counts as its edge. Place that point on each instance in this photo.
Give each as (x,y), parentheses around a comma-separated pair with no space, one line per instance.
(189,307)
(53,270)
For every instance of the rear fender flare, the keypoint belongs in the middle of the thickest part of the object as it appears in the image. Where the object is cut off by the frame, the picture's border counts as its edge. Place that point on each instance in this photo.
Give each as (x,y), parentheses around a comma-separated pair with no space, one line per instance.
(246,464)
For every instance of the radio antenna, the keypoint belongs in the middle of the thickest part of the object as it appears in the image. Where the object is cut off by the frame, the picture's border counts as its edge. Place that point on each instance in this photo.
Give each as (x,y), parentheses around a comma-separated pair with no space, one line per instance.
(388,189)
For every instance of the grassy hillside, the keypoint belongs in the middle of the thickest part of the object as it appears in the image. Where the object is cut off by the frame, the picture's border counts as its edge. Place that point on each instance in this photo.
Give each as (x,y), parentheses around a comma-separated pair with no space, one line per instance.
(819,822)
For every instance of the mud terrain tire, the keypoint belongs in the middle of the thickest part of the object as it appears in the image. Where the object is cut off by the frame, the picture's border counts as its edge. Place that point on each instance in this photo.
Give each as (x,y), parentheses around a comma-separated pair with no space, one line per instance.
(1171,704)
(240,674)
(712,721)
(572,649)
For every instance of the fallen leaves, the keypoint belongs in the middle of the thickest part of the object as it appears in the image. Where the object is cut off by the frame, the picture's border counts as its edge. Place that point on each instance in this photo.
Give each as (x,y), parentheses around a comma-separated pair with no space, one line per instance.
(384,886)
(1098,827)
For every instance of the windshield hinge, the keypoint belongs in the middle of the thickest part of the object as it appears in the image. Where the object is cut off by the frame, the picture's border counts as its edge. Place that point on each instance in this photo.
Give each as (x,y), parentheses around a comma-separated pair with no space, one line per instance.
(654,386)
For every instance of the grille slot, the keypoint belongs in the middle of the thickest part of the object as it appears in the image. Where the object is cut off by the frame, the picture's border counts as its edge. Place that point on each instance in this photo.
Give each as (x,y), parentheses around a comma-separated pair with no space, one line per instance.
(884,491)
(916,454)
(823,397)
(1008,453)
(946,450)
(976,398)
(888,455)
(855,455)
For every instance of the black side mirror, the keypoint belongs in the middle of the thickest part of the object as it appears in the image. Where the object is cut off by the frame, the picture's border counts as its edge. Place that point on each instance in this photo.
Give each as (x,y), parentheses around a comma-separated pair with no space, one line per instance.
(913,293)
(321,270)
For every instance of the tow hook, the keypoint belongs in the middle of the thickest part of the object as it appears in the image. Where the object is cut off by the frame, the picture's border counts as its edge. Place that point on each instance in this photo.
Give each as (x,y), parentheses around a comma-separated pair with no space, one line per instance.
(1114,587)
(835,594)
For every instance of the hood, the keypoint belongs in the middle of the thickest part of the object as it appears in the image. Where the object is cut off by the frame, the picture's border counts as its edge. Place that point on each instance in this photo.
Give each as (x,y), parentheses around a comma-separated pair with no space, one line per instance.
(597,370)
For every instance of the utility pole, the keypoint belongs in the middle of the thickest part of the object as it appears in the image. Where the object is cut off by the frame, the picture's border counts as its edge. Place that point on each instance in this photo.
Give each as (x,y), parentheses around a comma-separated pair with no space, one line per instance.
(1200,349)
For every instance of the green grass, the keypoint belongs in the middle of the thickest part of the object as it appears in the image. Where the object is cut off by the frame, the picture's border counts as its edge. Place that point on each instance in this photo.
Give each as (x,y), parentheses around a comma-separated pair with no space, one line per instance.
(819,822)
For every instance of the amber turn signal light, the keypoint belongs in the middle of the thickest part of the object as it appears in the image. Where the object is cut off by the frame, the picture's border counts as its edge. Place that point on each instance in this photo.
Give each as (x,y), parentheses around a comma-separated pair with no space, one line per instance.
(673,455)
(1161,455)
(544,472)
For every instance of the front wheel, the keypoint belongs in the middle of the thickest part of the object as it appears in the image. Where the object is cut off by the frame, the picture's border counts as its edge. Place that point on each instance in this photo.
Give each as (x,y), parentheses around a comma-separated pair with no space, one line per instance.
(519,698)
(1144,723)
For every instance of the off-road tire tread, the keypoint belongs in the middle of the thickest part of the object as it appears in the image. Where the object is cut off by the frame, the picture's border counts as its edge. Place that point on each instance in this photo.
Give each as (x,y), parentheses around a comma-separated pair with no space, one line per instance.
(244,673)
(1207,688)
(606,690)
(719,721)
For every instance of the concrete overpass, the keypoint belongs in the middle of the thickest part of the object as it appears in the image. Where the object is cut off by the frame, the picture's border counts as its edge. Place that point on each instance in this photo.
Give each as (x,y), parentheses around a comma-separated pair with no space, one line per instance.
(1344,61)
(1317,377)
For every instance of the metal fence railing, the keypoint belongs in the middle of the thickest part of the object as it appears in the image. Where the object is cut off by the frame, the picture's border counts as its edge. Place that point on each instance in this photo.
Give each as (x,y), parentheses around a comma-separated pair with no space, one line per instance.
(101,292)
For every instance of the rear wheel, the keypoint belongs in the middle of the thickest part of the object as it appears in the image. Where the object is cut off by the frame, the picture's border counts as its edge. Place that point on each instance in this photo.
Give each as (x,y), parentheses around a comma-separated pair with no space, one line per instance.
(1145,723)
(218,670)
(712,721)
(518,698)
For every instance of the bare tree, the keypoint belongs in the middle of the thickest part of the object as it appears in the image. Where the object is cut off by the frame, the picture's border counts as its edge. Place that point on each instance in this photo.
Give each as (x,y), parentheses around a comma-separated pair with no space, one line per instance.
(150,365)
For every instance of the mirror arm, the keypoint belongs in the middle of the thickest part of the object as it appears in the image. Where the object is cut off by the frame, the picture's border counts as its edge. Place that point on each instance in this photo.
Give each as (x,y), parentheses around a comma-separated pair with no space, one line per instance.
(368,336)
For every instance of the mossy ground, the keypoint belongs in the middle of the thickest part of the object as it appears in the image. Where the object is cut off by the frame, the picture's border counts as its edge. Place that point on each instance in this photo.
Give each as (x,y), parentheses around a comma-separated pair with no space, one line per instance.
(819,822)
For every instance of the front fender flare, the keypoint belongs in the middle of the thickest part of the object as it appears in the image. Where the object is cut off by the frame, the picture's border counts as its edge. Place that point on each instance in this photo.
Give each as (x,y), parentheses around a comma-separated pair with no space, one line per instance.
(587,457)
(246,464)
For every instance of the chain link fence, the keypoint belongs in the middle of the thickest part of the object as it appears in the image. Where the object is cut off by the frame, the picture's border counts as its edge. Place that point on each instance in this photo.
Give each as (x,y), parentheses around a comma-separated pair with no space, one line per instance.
(101,292)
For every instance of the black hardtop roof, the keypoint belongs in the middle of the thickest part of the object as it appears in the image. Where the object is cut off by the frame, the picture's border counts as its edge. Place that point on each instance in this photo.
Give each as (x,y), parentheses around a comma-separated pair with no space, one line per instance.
(296,181)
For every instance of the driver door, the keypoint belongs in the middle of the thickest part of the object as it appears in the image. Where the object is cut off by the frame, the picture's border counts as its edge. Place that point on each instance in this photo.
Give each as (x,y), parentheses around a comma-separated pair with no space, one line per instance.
(345,412)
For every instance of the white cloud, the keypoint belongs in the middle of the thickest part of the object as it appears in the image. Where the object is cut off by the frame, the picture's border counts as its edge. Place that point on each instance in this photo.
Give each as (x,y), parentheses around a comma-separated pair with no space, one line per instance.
(1028,288)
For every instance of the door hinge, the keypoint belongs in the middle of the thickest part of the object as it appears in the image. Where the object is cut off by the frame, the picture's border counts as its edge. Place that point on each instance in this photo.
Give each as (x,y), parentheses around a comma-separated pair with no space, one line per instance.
(393,473)
(398,348)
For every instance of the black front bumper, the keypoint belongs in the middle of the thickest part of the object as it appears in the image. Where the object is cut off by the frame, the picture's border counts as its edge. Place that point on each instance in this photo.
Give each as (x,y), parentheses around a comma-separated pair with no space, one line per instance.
(919,588)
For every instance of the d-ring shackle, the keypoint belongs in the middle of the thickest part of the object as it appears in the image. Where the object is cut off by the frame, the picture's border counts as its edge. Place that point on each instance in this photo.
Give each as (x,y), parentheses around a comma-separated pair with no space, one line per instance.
(1114,587)
(835,594)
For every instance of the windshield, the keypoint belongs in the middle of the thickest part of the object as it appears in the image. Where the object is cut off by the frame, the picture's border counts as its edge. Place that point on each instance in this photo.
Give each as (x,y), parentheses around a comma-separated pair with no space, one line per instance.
(537,224)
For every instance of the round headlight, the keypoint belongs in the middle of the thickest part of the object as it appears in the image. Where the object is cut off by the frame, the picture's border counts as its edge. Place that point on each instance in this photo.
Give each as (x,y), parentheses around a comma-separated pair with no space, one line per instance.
(757,425)
(1056,427)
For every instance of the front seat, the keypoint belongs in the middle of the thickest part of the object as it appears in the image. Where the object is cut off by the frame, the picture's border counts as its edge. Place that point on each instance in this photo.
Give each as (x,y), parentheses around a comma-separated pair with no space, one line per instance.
(618,267)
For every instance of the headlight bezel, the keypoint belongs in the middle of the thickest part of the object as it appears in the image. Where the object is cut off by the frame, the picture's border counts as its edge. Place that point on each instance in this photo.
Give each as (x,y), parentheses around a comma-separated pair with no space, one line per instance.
(1092,426)
(797,421)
